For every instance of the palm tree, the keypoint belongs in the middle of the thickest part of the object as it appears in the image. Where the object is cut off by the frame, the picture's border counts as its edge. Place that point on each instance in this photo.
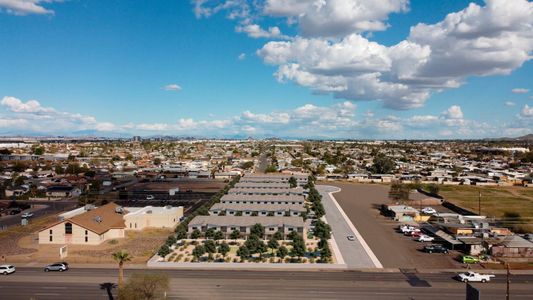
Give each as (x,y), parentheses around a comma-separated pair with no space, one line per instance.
(121,257)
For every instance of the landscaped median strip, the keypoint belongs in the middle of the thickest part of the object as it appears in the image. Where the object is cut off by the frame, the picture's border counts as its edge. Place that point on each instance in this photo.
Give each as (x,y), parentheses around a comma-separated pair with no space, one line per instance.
(368,251)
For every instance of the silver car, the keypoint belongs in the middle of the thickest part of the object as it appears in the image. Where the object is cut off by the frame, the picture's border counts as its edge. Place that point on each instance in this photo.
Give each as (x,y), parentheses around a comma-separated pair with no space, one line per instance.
(56,267)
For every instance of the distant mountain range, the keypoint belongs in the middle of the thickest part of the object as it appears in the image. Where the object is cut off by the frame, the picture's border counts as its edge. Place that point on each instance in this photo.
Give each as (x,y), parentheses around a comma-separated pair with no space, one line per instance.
(524,138)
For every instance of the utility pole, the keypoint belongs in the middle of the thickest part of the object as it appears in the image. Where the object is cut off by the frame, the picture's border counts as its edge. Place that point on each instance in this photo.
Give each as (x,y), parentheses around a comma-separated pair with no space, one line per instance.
(507,294)
(479,203)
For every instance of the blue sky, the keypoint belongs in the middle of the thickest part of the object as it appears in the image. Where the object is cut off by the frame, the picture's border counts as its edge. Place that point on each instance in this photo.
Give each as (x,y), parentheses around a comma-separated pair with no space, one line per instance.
(267,68)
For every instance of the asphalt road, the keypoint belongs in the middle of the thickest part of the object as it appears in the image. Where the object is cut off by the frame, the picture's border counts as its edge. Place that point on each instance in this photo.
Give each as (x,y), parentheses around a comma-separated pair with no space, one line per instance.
(353,252)
(33,283)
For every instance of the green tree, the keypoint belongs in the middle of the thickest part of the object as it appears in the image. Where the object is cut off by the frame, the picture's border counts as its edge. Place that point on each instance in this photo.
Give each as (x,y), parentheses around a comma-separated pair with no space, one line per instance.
(210,246)
(243,252)
(196,234)
(181,233)
(218,235)
(121,257)
(298,246)
(292,182)
(325,254)
(433,189)
(157,161)
(198,251)
(235,234)
(257,230)
(322,230)
(273,244)
(164,251)
(282,251)
(144,286)
(38,150)
(223,249)
(382,164)
(278,235)
(210,233)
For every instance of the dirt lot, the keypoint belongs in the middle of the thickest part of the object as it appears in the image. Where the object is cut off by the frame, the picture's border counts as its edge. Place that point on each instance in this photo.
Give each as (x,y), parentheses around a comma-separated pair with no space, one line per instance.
(360,202)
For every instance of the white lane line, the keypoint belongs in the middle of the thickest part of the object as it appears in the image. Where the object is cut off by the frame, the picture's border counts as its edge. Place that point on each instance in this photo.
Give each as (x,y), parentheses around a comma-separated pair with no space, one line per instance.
(368,251)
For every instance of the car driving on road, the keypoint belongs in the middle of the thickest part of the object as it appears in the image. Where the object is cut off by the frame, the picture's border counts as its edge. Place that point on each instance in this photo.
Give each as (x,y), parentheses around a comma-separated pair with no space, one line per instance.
(7,269)
(474,277)
(56,267)
(351,238)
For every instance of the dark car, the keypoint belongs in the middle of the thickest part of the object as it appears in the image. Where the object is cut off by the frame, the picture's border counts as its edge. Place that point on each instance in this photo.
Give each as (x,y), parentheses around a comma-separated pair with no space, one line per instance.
(62,266)
(435,249)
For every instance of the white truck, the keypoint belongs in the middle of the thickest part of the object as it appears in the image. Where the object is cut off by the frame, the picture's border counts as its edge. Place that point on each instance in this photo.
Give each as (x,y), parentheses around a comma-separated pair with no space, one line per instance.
(474,277)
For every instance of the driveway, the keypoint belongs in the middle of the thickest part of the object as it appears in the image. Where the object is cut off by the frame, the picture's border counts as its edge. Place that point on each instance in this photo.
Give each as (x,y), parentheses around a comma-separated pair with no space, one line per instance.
(354,253)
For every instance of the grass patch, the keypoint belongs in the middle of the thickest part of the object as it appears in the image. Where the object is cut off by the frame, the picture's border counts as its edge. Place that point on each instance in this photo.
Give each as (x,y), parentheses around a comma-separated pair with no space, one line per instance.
(495,201)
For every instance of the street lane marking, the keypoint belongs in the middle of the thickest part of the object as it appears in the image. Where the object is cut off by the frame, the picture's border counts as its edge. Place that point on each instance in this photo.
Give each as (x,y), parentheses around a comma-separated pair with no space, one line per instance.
(359,237)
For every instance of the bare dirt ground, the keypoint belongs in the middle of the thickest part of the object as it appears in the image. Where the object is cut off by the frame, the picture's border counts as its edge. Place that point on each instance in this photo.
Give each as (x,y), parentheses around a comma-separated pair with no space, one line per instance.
(360,202)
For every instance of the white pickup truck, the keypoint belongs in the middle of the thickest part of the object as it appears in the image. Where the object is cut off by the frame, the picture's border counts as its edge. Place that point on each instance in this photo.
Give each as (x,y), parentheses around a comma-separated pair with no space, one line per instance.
(474,277)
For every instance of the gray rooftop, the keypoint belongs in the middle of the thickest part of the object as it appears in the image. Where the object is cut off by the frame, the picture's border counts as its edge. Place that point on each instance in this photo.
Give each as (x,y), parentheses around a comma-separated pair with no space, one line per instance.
(258,207)
(265,185)
(262,198)
(246,221)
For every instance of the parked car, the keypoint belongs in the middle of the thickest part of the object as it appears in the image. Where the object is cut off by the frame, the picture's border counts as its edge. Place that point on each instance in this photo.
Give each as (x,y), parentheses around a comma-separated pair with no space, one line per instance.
(351,238)
(26,215)
(150,197)
(56,267)
(435,248)
(428,210)
(15,211)
(416,234)
(425,238)
(467,259)
(474,277)
(7,269)
(404,228)
(411,232)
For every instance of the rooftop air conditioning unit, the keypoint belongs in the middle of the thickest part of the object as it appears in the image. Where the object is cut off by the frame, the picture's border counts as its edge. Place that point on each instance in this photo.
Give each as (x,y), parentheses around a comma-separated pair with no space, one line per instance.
(119,210)
(98,219)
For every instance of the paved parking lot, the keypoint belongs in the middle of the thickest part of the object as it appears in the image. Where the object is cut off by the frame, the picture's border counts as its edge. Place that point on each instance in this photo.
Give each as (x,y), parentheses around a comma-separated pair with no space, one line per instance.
(353,252)
(360,202)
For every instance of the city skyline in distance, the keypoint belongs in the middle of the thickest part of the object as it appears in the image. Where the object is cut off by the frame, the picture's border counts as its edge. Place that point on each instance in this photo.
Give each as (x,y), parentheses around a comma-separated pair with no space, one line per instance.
(400,70)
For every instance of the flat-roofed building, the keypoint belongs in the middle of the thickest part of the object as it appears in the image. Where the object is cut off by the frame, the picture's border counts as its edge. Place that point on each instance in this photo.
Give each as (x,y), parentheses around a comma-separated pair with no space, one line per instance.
(301,179)
(279,210)
(262,185)
(262,199)
(280,191)
(227,224)
(139,218)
